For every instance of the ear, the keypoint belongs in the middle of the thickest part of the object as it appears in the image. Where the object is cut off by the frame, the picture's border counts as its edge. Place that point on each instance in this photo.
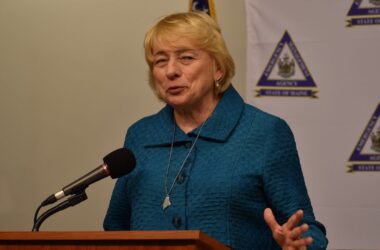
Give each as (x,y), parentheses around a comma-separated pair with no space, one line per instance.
(218,73)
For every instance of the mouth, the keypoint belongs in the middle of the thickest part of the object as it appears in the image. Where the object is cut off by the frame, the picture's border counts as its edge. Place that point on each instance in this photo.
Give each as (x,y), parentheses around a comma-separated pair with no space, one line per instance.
(175,90)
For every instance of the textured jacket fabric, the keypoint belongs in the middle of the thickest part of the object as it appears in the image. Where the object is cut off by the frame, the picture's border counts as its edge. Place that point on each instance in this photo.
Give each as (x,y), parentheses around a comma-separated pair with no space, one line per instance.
(244,161)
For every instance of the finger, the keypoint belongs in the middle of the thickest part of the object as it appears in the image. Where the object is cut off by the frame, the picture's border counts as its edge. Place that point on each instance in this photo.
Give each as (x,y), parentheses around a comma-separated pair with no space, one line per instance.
(293,220)
(304,242)
(297,232)
(270,219)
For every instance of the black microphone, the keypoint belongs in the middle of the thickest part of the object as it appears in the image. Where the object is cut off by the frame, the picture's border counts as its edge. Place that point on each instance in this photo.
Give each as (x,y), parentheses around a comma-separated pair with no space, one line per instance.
(116,164)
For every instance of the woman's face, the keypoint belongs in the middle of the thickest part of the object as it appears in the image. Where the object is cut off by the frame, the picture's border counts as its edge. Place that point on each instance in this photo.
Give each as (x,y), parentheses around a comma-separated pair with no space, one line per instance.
(184,75)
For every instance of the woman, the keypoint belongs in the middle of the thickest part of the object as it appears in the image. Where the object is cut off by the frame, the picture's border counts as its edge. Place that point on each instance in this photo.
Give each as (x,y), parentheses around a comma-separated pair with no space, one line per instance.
(207,160)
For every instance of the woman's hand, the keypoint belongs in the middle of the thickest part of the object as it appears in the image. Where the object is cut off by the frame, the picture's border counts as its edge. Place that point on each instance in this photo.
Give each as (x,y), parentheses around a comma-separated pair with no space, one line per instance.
(288,235)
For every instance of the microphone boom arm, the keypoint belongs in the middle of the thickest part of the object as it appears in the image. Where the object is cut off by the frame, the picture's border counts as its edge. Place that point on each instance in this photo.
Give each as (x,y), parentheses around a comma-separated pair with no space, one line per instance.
(70,202)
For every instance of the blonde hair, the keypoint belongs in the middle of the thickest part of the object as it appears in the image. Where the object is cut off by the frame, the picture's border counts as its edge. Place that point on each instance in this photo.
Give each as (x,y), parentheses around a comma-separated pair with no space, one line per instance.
(202,31)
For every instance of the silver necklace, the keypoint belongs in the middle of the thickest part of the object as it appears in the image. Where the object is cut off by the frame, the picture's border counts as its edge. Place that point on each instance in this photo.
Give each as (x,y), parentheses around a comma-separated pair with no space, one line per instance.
(167,202)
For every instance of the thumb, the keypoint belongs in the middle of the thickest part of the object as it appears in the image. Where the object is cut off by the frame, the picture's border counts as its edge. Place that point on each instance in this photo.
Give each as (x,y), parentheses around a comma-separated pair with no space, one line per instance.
(270,219)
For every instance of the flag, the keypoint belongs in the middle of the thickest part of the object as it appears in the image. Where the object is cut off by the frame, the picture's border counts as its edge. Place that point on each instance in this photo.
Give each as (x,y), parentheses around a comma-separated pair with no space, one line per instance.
(203,5)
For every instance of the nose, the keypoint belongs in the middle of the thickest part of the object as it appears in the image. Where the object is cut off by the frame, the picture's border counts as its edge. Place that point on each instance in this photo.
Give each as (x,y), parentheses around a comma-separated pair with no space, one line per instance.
(173,69)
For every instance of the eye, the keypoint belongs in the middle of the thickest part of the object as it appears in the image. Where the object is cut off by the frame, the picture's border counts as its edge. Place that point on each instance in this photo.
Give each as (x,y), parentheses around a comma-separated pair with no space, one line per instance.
(159,62)
(186,58)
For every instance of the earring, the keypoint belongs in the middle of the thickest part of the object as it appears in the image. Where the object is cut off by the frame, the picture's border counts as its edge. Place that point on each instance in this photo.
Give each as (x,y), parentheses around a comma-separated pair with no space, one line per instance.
(217,83)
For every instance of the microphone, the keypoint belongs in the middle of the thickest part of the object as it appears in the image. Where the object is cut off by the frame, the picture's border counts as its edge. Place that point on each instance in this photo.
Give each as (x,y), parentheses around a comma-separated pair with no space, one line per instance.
(116,164)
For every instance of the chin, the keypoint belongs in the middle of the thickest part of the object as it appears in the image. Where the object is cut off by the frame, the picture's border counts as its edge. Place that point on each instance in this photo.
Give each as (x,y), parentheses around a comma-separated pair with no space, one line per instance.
(177,102)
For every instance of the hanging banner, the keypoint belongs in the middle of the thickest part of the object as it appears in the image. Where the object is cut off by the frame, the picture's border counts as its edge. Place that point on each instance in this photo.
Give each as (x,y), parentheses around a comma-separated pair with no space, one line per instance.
(315,64)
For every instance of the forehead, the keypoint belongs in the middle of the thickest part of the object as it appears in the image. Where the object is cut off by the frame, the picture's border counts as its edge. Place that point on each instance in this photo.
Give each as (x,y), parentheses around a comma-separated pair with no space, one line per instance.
(173,43)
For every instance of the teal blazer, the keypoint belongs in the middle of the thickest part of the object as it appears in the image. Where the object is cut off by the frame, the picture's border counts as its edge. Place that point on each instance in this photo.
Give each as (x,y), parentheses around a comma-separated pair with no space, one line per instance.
(243,161)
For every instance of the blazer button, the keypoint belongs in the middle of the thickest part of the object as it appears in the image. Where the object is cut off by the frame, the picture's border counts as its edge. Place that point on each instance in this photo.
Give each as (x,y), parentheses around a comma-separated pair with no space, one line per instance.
(188,144)
(177,222)
(181,177)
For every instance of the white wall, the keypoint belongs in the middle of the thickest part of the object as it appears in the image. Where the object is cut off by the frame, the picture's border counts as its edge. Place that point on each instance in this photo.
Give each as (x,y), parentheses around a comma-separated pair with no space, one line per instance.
(72,79)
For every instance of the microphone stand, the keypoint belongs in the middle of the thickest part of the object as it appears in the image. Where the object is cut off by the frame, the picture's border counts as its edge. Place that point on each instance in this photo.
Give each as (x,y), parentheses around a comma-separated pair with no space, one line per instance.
(70,202)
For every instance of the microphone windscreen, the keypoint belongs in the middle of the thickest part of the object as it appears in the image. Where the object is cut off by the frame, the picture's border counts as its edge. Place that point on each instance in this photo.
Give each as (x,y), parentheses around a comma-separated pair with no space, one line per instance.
(120,162)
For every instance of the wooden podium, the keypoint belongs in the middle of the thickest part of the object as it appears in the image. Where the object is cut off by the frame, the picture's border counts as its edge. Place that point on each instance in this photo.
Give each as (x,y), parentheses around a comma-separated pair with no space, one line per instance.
(129,240)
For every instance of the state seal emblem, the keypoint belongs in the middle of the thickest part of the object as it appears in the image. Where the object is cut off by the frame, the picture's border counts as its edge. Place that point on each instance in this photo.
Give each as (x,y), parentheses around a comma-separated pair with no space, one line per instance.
(286,73)
(366,155)
(364,13)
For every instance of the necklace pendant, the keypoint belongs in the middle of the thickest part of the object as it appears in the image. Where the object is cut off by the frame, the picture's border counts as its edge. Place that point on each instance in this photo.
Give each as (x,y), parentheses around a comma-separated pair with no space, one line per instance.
(166,202)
